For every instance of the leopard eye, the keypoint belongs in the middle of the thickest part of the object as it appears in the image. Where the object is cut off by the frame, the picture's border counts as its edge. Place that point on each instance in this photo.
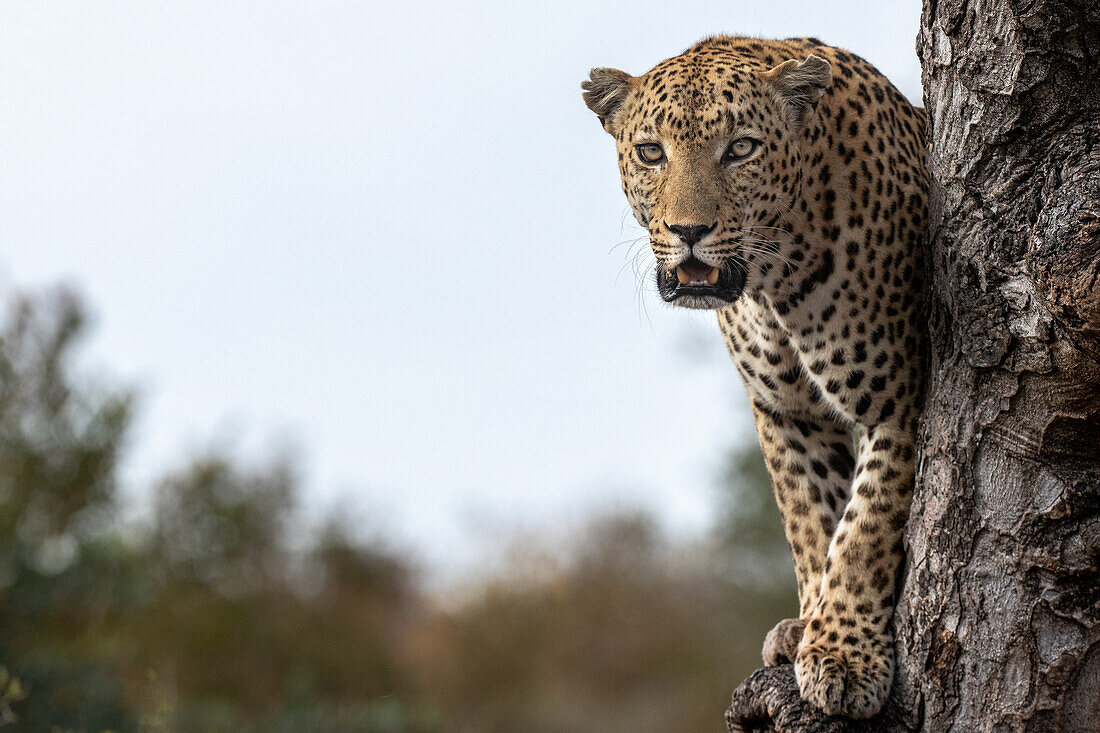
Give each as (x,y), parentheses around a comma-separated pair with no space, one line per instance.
(740,149)
(650,153)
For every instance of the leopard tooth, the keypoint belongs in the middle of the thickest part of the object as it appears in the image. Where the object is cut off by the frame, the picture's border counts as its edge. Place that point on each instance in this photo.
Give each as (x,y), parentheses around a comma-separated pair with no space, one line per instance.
(682,276)
(712,276)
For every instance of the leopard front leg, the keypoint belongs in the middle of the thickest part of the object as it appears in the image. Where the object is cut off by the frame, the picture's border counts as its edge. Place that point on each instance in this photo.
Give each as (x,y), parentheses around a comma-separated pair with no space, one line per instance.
(845,661)
(810,463)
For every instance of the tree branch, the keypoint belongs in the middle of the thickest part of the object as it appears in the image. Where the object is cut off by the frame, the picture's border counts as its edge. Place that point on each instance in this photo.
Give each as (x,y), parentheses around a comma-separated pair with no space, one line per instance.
(768,702)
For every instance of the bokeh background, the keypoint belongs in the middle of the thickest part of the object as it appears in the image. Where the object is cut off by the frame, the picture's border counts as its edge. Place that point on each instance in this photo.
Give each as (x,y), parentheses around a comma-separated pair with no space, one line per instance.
(333,396)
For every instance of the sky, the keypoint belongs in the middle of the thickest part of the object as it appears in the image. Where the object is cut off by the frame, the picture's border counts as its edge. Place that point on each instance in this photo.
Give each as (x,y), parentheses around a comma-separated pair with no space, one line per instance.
(388,235)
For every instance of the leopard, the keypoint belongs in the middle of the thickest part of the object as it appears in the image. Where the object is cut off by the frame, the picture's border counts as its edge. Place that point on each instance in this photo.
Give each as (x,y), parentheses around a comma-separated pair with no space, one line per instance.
(784,185)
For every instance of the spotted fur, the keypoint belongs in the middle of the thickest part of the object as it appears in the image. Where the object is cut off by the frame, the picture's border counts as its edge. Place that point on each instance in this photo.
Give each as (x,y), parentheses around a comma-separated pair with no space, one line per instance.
(817,237)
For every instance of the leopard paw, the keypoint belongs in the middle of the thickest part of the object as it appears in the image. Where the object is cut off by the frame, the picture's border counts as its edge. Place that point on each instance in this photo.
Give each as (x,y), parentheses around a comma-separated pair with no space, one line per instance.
(781,643)
(844,676)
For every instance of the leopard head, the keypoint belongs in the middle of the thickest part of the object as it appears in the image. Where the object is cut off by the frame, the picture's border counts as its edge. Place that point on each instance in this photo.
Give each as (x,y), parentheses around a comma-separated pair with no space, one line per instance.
(711,154)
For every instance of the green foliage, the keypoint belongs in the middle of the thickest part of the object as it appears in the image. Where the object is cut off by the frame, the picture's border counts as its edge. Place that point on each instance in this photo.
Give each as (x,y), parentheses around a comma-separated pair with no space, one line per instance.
(752,546)
(11,691)
(64,579)
(221,612)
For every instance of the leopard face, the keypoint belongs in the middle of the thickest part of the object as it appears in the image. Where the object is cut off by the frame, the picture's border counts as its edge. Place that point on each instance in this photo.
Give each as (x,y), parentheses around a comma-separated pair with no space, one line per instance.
(712,164)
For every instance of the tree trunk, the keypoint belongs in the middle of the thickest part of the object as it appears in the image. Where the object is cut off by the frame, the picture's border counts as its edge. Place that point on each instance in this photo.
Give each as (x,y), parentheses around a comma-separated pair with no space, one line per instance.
(998,624)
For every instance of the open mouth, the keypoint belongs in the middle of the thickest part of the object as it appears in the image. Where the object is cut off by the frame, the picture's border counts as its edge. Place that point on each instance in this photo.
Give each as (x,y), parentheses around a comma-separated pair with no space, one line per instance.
(701,284)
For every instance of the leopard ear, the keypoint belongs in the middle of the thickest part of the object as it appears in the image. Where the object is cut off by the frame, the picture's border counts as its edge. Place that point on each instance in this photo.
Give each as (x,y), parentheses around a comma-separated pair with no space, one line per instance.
(800,84)
(605,92)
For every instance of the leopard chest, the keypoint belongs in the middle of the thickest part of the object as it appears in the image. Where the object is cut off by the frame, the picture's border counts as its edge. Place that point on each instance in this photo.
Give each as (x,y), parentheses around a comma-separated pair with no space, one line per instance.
(767,355)
(800,363)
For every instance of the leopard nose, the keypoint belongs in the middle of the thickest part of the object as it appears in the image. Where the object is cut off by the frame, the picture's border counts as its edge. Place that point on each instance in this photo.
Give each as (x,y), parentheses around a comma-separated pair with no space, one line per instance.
(690,234)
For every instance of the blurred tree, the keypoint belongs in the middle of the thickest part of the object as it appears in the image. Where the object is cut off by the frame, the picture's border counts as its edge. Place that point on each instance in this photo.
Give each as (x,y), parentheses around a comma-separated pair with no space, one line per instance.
(63,575)
(219,525)
(224,611)
(629,633)
(204,620)
(752,548)
(251,637)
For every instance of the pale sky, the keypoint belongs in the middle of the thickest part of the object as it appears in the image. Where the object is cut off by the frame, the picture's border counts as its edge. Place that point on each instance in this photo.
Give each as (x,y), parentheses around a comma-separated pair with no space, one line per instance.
(382,232)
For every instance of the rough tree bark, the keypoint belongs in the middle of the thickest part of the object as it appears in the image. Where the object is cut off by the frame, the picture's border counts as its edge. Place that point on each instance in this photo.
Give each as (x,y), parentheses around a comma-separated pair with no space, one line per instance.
(998,624)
